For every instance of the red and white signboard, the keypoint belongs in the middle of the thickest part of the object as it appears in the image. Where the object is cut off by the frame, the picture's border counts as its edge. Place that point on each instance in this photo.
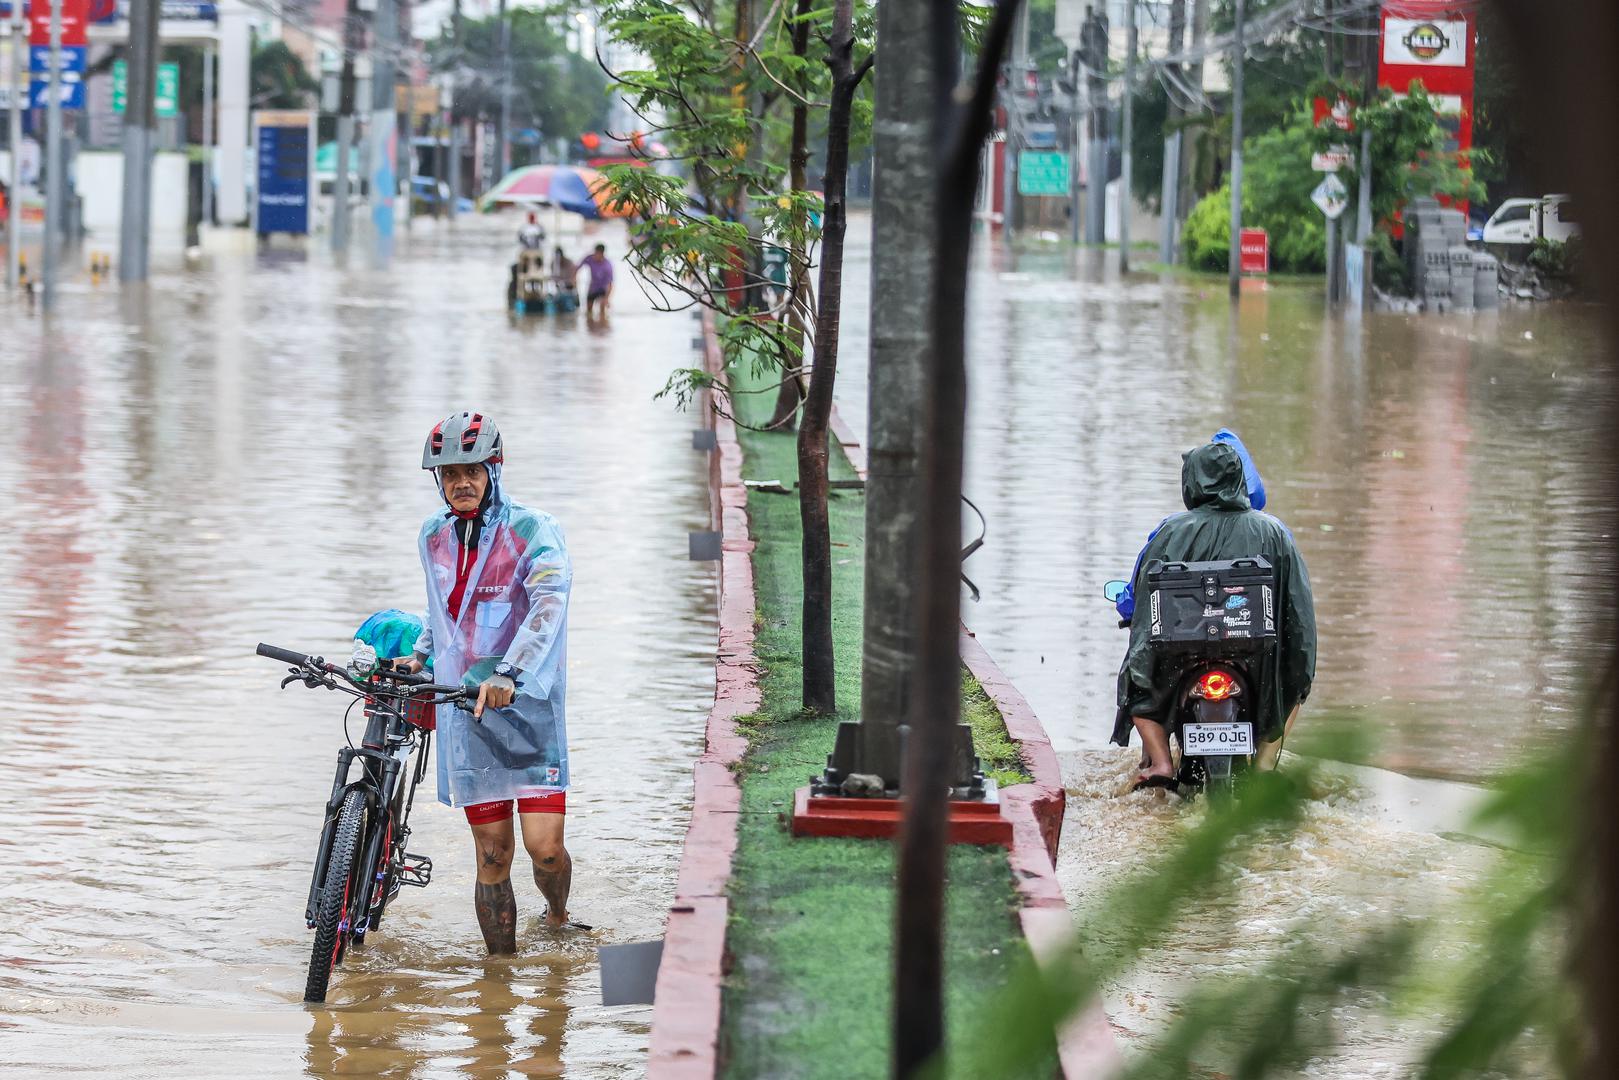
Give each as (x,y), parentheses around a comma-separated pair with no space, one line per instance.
(1253,254)
(75,17)
(1436,42)
(1430,42)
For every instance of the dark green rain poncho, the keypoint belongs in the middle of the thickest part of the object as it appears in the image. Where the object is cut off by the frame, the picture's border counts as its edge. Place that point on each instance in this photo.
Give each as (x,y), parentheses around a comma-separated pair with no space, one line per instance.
(1219,524)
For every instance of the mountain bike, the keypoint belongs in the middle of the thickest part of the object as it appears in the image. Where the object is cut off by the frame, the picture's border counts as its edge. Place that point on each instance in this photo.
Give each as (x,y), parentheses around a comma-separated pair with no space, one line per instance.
(361,863)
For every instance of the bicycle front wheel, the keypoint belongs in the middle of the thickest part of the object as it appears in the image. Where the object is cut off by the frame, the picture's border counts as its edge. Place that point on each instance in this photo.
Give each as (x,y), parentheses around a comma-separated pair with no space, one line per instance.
(340,896)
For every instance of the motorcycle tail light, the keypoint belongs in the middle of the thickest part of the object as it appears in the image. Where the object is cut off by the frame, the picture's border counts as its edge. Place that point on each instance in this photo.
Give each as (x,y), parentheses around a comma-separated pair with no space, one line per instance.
(1216,685)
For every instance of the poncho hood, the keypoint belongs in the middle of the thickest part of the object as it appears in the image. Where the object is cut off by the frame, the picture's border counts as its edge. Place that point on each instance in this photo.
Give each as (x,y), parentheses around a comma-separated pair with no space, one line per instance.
(1212,476)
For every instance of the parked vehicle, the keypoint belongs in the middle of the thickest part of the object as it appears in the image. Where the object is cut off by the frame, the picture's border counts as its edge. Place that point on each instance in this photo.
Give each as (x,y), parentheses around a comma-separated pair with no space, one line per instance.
(1523,221)
(1209,623)
(361,861)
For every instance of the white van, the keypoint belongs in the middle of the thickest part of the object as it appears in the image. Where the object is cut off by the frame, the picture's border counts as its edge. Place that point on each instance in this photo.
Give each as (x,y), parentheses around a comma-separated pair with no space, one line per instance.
(1523,221)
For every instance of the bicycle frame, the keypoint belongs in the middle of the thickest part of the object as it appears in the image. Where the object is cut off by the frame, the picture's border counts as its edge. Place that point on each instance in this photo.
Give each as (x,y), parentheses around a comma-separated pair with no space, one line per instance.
(383,754)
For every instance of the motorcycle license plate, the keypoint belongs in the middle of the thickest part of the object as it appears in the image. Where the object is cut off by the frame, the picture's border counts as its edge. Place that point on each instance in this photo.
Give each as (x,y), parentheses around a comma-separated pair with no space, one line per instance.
(1203,740)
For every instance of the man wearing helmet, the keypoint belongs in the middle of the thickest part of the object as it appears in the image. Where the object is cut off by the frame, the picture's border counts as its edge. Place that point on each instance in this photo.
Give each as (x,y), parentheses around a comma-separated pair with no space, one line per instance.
(497,614)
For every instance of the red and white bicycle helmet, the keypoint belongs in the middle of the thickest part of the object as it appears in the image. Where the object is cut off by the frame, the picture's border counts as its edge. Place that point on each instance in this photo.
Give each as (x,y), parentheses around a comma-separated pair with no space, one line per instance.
(463,438)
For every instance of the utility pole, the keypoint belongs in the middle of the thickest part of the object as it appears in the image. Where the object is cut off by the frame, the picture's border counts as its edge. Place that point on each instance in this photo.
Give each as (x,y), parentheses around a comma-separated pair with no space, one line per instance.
(902,272)
(1016,86)
(1095,30)
(1333,67)
(504,120)
(1170,190)
(208,135)
(1199,36)
(54,187)
(353,41)
(140,131)
(1125,198)
(455,119)
(1370,48)
(383,133)
(1076,122)
(15,92)
(1234,260)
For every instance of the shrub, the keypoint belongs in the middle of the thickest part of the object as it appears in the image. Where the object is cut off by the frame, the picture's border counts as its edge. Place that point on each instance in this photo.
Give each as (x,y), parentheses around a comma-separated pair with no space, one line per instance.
(1207,234)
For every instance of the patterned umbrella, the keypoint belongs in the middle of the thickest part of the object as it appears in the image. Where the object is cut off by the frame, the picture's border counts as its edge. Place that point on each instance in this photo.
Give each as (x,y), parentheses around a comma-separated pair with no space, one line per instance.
(572,188)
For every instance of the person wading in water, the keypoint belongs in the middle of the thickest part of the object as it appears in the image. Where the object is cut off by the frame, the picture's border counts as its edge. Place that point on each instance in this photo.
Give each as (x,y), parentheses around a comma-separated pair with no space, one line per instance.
(498,578)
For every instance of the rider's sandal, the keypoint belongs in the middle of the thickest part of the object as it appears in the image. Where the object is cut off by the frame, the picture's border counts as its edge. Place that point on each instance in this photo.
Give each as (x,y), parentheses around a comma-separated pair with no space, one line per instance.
(1166,782)
(571,924)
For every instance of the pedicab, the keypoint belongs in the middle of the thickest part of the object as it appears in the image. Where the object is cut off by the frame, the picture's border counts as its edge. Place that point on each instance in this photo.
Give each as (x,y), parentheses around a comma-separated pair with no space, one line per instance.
(533,287)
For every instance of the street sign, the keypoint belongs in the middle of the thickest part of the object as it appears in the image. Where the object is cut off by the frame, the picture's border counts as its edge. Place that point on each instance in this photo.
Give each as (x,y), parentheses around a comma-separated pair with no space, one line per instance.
(1253,252)
(168,88)
(70,94)
(1331,160)
(1040,136)
(71,59)
(285,143)
(1042,173)
(188,10)
(1331,196)
(167,98)
(75,13)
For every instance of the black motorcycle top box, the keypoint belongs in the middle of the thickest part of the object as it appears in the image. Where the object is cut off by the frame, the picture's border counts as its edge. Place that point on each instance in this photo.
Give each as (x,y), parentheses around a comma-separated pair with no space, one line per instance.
(1231,604)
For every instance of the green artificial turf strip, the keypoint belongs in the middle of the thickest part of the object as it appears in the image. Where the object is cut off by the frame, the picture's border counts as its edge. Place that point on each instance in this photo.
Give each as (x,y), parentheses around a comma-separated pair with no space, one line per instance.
(809,993)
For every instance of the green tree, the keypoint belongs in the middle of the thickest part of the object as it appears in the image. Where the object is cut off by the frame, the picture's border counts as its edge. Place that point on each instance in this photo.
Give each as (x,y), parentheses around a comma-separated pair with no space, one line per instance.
(734,95)
(1408,160)
(279,78)
(554,90)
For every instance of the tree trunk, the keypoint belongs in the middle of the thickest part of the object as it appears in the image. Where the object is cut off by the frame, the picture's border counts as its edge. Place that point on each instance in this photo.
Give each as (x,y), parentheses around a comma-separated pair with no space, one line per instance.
(791,391)
(820,690)
(936,698)
(901,289)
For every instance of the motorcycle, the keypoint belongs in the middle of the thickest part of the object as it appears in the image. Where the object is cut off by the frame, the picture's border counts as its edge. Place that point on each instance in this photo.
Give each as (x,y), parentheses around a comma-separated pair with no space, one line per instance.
(1209,624)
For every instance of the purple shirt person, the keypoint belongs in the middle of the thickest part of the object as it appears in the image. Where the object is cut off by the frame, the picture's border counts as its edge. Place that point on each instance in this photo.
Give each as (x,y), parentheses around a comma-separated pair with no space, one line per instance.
(601,281)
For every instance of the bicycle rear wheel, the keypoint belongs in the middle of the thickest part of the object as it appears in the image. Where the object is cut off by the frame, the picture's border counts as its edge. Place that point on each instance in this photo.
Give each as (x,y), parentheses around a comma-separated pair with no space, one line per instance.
(339,897)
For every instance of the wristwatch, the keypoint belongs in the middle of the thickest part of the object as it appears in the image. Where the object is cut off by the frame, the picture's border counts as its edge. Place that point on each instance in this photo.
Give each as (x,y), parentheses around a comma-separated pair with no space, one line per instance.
(506,671)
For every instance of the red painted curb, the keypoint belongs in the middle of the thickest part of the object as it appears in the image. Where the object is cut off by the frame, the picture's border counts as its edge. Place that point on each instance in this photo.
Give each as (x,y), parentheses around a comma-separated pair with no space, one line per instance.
(686,1009)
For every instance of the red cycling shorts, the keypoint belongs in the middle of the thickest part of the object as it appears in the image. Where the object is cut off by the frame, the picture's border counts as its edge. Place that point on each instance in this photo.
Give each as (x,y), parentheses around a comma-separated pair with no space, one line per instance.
(501,810)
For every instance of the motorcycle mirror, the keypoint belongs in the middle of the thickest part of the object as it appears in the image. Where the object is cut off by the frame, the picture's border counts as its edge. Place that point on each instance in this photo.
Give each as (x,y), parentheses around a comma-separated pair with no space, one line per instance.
(1112,590)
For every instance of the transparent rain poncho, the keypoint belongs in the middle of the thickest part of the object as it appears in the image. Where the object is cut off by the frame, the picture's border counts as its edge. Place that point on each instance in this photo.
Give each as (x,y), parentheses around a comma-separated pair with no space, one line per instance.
(515,608)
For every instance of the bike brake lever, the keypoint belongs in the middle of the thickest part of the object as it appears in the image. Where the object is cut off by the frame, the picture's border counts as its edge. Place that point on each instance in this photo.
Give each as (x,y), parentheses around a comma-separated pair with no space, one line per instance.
(290,679)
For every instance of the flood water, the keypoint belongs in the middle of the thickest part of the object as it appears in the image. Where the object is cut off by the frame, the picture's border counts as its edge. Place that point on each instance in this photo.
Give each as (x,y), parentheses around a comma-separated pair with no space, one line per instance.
(1446,479)
(234,460)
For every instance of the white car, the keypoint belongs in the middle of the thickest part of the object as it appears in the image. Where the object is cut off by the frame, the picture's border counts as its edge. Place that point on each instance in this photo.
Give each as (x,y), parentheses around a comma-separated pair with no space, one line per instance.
(1523,221)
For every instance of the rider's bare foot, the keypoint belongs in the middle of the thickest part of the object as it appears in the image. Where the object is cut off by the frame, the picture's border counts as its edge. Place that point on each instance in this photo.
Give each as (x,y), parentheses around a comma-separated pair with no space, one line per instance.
(1151,777)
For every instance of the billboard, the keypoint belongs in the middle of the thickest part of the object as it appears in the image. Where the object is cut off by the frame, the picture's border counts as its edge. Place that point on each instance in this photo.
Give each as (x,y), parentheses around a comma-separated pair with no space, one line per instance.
(285,144)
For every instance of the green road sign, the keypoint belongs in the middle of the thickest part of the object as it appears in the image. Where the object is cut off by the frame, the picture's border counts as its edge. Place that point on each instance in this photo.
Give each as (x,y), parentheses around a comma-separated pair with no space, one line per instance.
(1042,172)
(168,88)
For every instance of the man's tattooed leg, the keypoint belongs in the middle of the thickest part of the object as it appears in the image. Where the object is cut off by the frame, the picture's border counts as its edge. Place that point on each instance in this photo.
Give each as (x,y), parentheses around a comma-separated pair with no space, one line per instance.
(553,873)
(497,916)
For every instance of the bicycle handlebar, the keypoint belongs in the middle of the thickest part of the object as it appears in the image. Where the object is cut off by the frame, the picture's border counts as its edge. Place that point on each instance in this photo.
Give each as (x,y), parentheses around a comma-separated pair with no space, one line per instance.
(416,684)
(286,656)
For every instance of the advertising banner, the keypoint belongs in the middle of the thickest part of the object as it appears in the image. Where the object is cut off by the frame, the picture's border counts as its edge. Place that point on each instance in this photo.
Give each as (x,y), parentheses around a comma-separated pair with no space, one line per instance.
(285,143)
(1254,254)
(1425,42)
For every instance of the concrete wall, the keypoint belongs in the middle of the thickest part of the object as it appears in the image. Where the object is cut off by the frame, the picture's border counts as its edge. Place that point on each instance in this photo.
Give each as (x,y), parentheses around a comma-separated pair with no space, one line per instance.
(101,182)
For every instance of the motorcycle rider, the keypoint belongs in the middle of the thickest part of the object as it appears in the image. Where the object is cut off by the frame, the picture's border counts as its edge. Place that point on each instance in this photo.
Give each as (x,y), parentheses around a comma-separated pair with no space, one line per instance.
(1126,603)
(1220,523)
(498,578)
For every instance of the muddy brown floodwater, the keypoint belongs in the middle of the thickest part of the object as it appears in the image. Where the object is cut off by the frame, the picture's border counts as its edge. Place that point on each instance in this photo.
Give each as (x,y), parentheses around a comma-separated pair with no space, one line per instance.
(234,459)
(1446,478)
